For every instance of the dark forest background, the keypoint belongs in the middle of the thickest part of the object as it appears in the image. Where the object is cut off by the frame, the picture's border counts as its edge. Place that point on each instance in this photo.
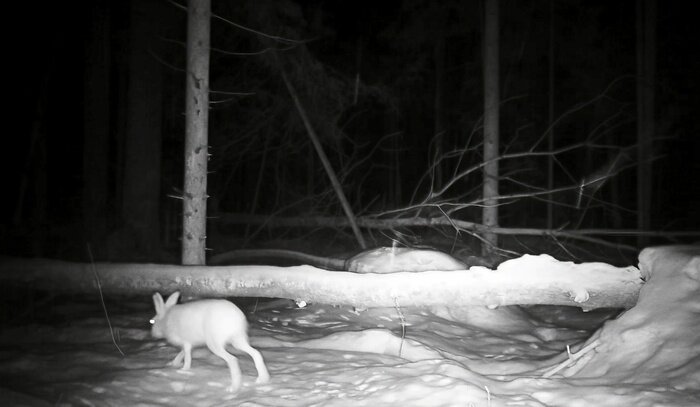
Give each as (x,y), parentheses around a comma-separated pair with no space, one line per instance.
(94,146)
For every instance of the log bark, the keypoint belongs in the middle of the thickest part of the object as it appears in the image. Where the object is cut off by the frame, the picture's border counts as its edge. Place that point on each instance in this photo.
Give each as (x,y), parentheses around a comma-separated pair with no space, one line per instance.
(588,285)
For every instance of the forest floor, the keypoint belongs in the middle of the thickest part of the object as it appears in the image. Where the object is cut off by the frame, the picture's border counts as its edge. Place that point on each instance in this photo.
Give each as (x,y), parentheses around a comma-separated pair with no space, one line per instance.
(60,352)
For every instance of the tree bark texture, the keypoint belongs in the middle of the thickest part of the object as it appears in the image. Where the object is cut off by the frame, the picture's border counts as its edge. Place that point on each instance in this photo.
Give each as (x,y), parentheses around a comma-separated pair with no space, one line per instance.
(194,216)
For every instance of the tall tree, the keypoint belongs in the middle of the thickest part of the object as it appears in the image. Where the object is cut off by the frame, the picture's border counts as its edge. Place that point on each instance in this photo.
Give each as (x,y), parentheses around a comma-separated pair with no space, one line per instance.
(646,72)
(491,123)
(194,215)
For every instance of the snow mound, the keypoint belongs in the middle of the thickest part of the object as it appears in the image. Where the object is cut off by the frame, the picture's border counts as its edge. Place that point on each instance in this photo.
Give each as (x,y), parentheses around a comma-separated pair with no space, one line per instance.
(657,341)
(396,259)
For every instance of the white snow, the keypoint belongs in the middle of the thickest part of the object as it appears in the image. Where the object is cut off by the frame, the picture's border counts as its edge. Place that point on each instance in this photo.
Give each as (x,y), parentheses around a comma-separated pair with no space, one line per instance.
(327,355)
(402,259)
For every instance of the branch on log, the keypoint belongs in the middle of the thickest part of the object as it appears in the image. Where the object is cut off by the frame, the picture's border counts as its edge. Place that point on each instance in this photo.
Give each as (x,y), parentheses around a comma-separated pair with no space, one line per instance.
(526,280)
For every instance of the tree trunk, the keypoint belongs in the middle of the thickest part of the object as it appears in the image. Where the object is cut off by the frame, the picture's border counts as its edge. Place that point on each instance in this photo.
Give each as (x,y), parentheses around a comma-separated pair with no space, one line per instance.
(517,281)
(491,123)
(646,71)
(194,215)
(141,194)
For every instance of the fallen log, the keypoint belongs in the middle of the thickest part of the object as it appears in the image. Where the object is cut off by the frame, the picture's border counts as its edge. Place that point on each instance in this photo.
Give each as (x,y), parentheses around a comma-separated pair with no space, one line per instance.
(526,280)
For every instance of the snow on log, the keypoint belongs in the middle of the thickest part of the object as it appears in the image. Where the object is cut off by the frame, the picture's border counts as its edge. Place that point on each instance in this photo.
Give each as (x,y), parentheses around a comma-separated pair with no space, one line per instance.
(658,338)
(525,280)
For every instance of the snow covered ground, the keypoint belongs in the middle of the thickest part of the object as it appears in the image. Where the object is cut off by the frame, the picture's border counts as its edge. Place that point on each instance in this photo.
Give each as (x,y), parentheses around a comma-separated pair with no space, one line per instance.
(340,356)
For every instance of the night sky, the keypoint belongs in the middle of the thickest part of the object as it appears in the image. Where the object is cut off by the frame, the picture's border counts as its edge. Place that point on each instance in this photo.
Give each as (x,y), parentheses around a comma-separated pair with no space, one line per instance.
(377,130)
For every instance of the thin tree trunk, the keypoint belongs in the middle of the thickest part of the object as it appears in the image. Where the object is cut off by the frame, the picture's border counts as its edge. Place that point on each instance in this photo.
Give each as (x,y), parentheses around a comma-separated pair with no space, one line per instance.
(324,160)
(194,215)
(646,71)
(491,124)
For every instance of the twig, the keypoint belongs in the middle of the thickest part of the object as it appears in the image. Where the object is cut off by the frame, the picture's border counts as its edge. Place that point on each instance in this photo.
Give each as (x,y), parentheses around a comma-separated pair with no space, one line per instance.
(403,324)
(244,28)
(102,300)
(572,358)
